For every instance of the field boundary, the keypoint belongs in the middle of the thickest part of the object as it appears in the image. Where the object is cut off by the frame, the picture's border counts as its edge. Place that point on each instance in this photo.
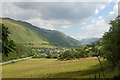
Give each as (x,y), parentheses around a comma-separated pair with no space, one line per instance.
(14,60)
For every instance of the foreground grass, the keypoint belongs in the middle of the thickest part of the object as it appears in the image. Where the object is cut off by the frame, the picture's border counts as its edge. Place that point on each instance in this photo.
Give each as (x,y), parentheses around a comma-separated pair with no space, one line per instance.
(52,68)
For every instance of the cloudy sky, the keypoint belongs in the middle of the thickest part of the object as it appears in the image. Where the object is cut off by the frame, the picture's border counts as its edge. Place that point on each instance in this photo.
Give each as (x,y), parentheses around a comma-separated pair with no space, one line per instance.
(76,19)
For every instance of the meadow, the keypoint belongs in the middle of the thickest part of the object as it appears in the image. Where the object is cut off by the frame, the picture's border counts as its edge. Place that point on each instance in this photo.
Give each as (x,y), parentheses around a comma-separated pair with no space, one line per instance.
(53,68)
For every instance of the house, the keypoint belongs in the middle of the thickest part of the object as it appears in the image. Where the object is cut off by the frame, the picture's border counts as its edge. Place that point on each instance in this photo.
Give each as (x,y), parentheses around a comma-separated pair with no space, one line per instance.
(43,55)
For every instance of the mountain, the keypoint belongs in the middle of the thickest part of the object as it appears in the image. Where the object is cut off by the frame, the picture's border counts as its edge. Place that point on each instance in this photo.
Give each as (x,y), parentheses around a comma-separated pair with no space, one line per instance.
(26,33)
(89,40)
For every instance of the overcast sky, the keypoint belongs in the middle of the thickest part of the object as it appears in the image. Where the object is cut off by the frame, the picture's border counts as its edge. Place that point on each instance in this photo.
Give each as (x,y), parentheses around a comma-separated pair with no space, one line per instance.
(76,19)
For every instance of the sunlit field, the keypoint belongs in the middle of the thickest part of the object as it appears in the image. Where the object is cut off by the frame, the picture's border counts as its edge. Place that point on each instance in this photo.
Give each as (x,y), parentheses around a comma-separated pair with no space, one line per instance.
(52,68)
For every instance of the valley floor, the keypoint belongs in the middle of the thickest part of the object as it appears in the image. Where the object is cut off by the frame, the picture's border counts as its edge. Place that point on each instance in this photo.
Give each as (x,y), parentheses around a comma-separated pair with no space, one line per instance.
(52,68)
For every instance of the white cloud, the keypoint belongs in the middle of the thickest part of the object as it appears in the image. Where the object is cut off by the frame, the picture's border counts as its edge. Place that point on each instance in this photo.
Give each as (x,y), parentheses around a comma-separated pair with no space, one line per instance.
(73,37)
(119,8)
(95,29)
(102,7)
(43,24)
(100,17)
(96,11)
(83,23)
(64,26)
(93,20)
(111,12)
(99,26)
(58,0)
(49,24)
(51,15)
(0,9)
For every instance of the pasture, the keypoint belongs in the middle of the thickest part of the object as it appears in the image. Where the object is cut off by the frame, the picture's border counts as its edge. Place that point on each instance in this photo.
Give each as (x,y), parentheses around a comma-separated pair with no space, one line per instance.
(52,68)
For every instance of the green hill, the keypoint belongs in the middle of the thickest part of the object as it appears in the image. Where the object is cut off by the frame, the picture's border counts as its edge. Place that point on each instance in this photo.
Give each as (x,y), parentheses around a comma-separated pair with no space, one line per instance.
(89,40)
(24,32)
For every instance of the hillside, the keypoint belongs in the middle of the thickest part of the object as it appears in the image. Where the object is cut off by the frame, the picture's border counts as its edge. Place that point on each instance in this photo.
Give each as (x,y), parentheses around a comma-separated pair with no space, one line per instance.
(89,40)
(26,33)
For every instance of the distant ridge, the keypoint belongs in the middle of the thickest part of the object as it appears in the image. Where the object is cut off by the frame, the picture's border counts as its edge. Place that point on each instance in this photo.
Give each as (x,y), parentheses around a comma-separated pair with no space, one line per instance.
(89,40)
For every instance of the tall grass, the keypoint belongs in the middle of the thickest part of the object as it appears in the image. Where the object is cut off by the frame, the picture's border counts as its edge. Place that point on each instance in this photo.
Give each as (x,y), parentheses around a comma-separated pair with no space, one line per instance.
(52,68)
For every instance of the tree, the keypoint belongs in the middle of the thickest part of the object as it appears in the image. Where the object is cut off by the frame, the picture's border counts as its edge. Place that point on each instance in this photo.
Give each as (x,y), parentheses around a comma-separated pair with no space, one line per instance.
(97,51)
(111,40)
(7,44)
(80,54)
(67,55)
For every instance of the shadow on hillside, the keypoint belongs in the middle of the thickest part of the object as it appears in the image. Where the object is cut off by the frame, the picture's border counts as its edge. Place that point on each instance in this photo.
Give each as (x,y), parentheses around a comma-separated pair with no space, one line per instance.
(95,69)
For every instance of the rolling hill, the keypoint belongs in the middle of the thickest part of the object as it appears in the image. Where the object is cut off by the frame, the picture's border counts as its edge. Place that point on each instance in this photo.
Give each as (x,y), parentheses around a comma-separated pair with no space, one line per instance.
(89,40)
(26,33)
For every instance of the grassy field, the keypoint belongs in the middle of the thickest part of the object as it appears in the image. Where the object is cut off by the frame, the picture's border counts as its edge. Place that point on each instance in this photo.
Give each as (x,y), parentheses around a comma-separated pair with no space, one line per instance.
(52,68)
